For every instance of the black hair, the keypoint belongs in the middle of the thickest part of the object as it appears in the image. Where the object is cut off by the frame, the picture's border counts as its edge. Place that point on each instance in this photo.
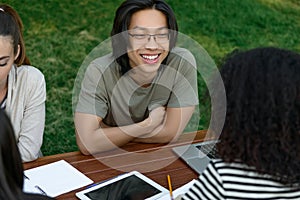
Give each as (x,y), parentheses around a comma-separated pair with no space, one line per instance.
(11,168)
(122,21)
(262,124)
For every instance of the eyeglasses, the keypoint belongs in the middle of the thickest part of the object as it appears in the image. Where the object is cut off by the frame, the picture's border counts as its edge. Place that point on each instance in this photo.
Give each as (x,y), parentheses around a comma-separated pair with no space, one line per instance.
(144,38)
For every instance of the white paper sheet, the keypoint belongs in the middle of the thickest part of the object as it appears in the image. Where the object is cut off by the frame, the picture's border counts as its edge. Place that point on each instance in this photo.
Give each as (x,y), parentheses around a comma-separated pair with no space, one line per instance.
(54,179)
(179,191)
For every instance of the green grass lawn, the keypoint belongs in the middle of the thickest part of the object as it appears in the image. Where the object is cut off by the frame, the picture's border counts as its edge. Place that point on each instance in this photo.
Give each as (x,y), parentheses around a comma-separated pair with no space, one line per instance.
(60,34)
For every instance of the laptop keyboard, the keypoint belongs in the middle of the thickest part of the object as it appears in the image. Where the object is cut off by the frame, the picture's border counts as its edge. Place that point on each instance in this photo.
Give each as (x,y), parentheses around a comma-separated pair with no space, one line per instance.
(209,149)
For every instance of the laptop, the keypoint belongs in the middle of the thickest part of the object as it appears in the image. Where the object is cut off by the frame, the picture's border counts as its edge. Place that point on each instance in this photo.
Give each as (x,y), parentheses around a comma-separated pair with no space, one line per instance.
(197,155)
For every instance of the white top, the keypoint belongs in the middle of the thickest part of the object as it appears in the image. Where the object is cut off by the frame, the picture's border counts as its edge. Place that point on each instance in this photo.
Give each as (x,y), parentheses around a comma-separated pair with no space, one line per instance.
(223,180)
(25,105)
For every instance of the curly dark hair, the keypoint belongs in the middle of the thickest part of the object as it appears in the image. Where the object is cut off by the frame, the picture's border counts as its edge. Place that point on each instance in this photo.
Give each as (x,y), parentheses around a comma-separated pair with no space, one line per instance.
(262,123)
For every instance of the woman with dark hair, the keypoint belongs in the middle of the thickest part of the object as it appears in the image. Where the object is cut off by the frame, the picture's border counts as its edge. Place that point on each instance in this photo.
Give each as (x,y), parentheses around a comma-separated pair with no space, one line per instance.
(11,167)
(22,87)
(259,145)
(145,90)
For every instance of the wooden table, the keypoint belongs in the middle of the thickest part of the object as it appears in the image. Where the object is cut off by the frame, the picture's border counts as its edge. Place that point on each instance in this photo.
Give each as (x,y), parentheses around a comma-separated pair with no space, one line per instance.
(155,161)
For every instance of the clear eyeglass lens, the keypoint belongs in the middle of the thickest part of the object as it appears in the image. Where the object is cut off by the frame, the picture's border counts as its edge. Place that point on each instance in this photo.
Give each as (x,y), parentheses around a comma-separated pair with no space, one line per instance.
(144,38)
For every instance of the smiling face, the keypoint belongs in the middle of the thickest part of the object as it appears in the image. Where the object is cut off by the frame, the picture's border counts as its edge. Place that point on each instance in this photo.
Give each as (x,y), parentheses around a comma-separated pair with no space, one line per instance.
(7,58)
(148,53)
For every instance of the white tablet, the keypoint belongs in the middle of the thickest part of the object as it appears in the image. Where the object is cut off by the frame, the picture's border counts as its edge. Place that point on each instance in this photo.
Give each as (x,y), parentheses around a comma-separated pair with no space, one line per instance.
(132,185)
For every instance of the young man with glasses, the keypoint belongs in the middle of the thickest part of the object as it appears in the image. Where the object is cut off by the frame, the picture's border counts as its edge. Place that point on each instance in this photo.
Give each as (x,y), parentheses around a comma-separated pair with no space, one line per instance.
(145,91)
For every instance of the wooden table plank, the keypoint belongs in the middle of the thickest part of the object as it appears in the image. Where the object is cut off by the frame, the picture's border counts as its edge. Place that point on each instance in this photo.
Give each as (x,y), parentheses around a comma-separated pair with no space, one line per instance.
(155,161)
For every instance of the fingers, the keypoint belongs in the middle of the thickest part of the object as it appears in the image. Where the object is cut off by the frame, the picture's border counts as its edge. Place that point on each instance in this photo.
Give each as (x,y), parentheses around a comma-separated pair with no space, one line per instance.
(157,116)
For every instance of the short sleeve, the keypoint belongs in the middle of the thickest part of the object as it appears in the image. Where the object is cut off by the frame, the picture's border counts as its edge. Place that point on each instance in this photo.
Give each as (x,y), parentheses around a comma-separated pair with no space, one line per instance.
(93,96)
(184,90)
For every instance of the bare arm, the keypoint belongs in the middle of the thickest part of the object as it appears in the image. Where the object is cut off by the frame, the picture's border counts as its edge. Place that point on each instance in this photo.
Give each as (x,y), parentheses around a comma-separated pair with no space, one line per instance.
(176,120)
(92,138)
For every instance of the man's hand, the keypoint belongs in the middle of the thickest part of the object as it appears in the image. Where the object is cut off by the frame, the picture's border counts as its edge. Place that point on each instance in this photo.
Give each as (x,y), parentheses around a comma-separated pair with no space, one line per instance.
(155,119)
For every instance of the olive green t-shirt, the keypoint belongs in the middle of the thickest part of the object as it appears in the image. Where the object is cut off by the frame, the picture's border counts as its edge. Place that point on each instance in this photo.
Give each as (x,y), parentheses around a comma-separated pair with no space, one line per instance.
(120,101)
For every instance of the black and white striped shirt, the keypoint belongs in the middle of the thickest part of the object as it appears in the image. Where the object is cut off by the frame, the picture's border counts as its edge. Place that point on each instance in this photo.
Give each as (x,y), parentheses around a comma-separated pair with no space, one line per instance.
(237,181)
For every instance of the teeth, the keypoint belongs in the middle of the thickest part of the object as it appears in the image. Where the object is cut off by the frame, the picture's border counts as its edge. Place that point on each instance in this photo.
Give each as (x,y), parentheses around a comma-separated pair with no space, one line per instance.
(150,57)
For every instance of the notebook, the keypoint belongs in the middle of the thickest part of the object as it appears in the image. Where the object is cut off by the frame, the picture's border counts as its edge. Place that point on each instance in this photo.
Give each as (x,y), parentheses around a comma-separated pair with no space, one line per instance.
(54,179)
(197,155)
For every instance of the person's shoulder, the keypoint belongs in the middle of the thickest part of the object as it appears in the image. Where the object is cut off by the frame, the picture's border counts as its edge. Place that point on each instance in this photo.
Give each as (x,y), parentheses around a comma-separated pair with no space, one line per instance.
(180,50)
(30,71)
(236,165)
(104,61)
(179,53)
(106,64)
